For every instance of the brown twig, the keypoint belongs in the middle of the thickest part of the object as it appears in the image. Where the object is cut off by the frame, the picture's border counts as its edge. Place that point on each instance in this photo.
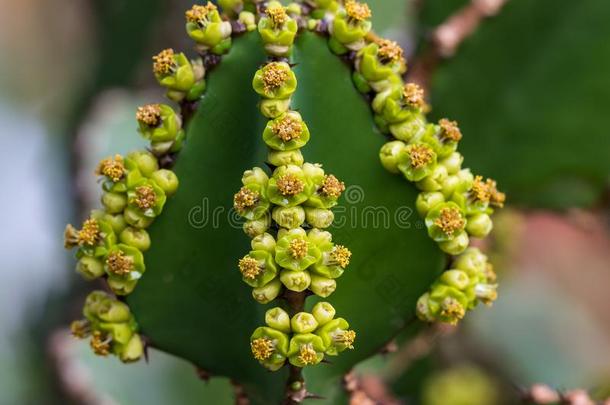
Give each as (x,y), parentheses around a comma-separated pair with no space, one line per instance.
(543,394)
(295,386)
(445,39)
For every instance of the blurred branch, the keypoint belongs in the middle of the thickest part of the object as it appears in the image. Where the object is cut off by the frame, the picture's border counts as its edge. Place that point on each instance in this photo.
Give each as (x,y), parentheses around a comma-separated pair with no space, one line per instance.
(445,39)
(543,394)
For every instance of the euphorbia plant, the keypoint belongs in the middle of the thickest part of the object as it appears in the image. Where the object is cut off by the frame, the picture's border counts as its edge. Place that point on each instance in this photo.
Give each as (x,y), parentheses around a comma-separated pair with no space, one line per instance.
(314,293)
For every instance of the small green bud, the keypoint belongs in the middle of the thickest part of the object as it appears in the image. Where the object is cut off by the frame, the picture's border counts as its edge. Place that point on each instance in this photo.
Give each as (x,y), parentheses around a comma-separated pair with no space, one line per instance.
(90,268)
(296,231)
(248,19)
(136,218)
(479,225)
(273,108)
(427,201)
(135,237)
(455,278)
(121,287)
(255,176)
(267,293)
(472,261)
(450,184)
(303,322)
(257,226)
(116,221)
(337,336)
(323,312)
(389,155)
(167,180)
(284,158)
(293,9)
(412,130)
(322,286)
(289,217)
(320,238)
(435,180)
(457,245)
(133,350)
(263,242)
(295,280)
(145,161)
(305,349)
(453,163)
(278,319)
(114,203)
(423,310)
(319,217)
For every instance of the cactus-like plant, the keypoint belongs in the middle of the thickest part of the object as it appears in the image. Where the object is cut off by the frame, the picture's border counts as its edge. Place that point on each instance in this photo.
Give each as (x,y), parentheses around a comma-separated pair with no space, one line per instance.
(264,86)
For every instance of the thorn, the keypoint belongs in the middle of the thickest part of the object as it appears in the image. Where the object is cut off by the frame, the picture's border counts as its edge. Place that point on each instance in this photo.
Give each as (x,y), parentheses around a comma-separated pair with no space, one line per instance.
(203,374)
(390,347)
(310,395)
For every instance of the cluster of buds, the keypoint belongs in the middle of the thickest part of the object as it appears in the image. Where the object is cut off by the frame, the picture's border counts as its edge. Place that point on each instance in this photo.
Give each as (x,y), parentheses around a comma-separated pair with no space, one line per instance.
(471,280)
(303,340)
(278,28)
(205,26)
(348,26)
(110,326)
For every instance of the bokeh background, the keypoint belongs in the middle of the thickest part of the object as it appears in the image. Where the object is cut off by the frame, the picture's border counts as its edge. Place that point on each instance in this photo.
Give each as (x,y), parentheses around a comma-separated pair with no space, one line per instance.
(531,90)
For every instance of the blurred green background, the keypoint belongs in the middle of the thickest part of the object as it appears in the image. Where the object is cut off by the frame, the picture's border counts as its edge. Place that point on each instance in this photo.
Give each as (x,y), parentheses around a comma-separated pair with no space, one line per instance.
(530,89)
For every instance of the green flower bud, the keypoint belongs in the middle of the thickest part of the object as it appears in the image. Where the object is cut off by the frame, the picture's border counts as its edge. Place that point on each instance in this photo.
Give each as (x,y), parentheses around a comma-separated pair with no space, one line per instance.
(248,19)
(417,161)
(263,242)
(268,293)
(401,103)
(435,180)
(428,200)
(472,261)
(337,336)
(135,237)
(115,171)
(350,25)
(125,262)
(257,227)
(277,29)
(136,218)
(232,7)
(326,191)
(158,123)
(379,60)
(455,278)
(274,107)
(453,163)
(486,293)
(322,239)
(303,322)
(305,349)
(314,172)
(288,186)
(270,347)
(479,225)
(322,286)
(147,197)
(204,26)
(275,80)
(360,82)
(295,252)
(90,268)
(295,280)
(411,130)
(323,312)
(423,310)
(289,217)
(145,162)
(116,221)
(167,180)
(445,137)
(389,154)
(181,78)
(101,307)
(278,319)
(114,203)
(94,239)
(450,185)
(255,176)
(121,333)
(456,245)
(334,260)
(319,217)
(294,9)
(257,268)
(286,132)
(133,350)
(285,158)
(445,222)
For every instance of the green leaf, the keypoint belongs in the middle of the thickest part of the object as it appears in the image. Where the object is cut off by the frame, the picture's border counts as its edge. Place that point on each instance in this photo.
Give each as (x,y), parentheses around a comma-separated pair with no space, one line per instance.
(192,302)
(528,90)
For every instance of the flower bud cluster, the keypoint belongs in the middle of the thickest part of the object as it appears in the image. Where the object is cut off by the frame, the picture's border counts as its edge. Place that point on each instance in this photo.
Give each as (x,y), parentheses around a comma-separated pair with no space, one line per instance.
(470,280)
(110,326)
(303,340)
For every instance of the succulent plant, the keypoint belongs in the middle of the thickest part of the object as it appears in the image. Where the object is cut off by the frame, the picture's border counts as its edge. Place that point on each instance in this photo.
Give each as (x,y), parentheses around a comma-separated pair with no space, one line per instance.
(337,264)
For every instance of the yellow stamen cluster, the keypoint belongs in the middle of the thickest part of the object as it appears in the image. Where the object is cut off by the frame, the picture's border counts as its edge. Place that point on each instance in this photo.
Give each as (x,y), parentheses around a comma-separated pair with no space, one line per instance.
(288,128)
(451,308)
(346,338)
(357,11)
(245,198)
(262,348)
(449,130)
(307,355)
(163,63)
(389,51)
(79,329)
(149,114)
(413,95)
(298,248)
(450,220)
(341,255)
(274,76)
(497,198)
(249,267)
(480,190)
(277,15)
(332,187)
(290,185)
(119,263)
(90,233)
(70,237)
(198,13)
(100,346)
(113,168)
(490,274)
(420,156)
(145,197)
